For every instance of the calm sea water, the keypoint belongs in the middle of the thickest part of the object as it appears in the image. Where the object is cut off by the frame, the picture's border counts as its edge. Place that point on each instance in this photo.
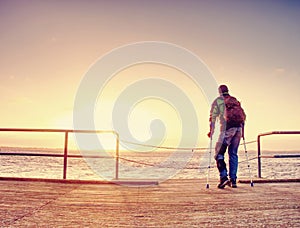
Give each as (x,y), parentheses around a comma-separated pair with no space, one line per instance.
(196,167)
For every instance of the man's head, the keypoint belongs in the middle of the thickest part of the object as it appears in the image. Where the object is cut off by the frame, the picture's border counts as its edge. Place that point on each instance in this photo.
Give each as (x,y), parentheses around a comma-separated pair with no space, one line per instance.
(223,89)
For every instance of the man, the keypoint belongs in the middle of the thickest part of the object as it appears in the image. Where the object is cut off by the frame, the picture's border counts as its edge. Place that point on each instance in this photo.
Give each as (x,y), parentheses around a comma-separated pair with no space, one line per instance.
(231,131)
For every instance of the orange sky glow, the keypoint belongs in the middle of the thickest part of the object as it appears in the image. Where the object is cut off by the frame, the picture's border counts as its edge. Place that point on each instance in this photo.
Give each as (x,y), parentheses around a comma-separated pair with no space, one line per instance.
(46,47)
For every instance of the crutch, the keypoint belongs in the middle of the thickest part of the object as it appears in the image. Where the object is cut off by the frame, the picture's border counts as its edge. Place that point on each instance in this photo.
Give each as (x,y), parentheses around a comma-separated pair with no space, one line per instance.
(249,169)
(209,162)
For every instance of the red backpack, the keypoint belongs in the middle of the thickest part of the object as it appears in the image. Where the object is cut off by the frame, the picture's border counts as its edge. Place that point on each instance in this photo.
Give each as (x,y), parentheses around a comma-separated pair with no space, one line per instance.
(233,114)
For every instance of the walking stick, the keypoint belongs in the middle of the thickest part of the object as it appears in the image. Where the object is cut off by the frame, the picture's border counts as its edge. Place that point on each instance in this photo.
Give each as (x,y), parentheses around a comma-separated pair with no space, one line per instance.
(249,169)
(209,162)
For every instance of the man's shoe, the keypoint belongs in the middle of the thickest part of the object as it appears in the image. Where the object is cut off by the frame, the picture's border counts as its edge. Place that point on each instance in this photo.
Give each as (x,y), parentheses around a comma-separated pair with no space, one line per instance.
(223,182)
(233,183)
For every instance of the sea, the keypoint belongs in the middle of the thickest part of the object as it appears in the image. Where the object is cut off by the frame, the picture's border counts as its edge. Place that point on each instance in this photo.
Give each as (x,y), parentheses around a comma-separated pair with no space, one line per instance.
(160,165)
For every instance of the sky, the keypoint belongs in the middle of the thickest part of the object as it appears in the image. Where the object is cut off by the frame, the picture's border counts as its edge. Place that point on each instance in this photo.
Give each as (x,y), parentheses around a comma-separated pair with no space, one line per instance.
(46,48)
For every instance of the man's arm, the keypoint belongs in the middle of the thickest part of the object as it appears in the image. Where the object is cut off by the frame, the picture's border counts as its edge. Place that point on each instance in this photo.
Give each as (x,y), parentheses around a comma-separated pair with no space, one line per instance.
(214,113)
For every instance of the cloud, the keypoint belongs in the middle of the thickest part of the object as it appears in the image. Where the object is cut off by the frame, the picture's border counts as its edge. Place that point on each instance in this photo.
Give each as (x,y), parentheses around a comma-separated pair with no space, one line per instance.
(279,70)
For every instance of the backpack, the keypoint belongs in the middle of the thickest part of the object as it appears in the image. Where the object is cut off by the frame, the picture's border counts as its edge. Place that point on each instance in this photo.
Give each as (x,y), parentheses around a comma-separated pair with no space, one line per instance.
(234,114)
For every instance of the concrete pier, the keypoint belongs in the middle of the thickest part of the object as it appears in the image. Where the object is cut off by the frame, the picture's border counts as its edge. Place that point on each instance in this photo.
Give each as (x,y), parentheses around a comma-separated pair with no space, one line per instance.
(174,203)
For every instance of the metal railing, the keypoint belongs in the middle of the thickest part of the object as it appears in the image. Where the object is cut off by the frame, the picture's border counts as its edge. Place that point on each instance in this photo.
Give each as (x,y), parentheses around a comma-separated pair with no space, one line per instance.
(65,155)
(259,156)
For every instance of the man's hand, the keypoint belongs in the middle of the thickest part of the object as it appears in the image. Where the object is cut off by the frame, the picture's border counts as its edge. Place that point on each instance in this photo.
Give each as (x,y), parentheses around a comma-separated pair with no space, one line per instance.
(243,131)
(211,129)
(210,134)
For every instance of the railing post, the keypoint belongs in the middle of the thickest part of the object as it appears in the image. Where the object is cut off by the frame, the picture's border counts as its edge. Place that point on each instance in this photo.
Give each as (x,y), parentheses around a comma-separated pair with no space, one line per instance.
(117,156)
(258,156)
(65,156)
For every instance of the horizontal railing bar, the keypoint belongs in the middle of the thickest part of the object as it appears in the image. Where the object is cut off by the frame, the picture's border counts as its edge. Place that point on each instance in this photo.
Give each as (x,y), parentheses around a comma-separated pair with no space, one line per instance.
(52,155)
(32,154)
(279,132)
(281,156)
(287,156)
(32,130)
(57,130)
